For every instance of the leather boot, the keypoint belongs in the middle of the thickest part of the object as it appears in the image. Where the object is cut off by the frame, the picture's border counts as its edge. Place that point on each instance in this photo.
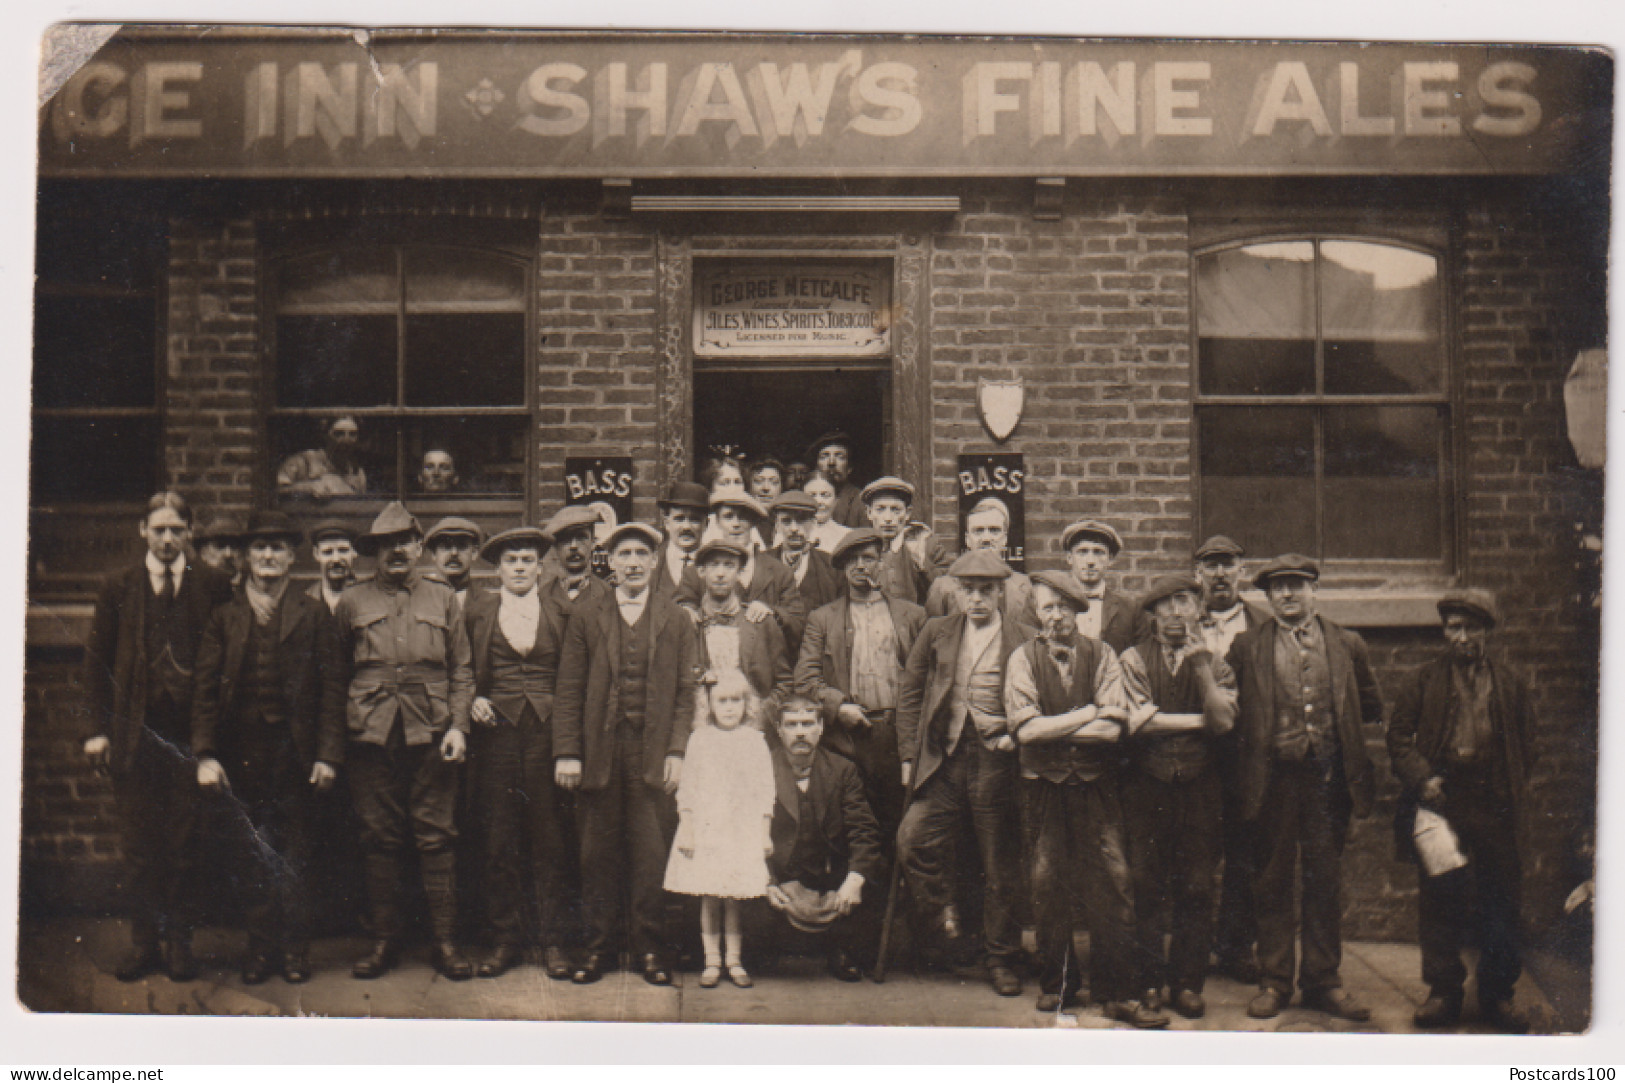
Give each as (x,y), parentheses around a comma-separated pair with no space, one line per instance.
(376,963)
(143,959)
(452,963)
(439,872)
(179,963)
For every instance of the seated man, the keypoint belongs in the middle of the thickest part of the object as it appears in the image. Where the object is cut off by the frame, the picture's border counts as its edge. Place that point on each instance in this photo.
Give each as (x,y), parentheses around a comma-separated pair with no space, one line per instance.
(327,472)
(826,844)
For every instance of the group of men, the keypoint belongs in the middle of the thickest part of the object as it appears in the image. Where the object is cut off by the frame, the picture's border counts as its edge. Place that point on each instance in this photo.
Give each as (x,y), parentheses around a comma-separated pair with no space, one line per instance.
(1079,758)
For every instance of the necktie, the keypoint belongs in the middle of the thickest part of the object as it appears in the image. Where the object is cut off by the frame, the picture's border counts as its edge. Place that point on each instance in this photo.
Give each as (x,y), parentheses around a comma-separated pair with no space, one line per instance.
(168,593)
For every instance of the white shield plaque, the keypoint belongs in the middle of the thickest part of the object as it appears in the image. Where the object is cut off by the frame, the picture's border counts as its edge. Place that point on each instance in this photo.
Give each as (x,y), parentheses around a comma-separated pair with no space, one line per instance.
(1000,404)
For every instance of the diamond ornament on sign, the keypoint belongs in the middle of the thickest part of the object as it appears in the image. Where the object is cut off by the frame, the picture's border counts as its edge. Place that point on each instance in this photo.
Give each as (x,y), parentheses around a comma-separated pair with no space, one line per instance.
(1000,402)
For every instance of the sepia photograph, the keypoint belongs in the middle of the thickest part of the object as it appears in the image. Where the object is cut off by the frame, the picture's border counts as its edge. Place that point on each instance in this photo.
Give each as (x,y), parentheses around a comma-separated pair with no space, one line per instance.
(910,530)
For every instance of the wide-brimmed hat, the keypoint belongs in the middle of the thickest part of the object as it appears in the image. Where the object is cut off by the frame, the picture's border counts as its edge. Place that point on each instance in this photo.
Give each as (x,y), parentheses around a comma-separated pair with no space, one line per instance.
(853,540)
(641,530)
(221,530)
(979,564)
(332,528)
(453,527)
(885,486)
(794,502)
(520,537)
(271,524)
(1092,528)
(393,520)
(834,436)
(1473,601)
(738,498)
(571,517)
(686,494)
(1219,546)
(1165,586)
(1065,585)
(1286,565)
(720,546)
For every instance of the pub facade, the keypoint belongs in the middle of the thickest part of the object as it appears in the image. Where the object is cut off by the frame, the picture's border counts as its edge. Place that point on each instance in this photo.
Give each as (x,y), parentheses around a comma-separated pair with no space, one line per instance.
(1322,298)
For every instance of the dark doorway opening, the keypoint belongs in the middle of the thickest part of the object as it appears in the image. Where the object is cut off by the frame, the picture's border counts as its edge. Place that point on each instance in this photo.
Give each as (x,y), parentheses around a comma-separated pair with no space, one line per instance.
(778,411)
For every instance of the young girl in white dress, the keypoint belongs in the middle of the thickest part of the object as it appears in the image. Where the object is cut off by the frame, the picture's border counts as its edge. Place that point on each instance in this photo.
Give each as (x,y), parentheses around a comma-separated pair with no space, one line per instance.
(725,810)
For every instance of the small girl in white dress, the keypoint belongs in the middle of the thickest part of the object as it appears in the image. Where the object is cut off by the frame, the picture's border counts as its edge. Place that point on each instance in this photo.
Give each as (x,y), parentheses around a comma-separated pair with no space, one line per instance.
(725,809)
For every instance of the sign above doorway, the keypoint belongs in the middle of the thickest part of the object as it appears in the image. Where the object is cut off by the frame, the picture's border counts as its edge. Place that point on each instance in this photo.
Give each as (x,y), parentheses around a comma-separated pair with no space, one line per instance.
(791,310)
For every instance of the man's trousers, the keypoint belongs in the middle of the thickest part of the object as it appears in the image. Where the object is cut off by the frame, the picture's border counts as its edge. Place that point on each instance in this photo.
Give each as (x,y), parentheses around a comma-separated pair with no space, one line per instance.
(158,812)
(977,785)
(1237,929)
(626,833)
(1080,863)
(880,766)
(1175,838)
(406,795)
(1302,826)
(527,832)
(267,826)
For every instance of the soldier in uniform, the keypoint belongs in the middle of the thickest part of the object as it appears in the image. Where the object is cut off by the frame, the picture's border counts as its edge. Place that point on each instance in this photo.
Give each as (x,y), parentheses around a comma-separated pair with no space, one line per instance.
(332,544)
(403,653)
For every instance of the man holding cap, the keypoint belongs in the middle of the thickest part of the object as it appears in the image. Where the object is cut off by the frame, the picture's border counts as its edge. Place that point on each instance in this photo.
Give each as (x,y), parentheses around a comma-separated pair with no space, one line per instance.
(913,558)
(1461,740)
(1181,698)
(453,545)
(851,665)
(795,516)
(332,544)
(403,653)
(766,585)
(262,682)
(683,512)
(959,760)
(1112,617)
(1306,687)
(621,721)
(831,456)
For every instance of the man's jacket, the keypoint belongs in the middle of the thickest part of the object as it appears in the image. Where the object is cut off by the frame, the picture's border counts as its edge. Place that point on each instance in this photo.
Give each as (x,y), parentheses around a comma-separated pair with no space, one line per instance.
(822,584)
(824,669)
(771,583)
(821,835)
(763,656)
(943,598)
(480,614)
(901,577)
(1122,622)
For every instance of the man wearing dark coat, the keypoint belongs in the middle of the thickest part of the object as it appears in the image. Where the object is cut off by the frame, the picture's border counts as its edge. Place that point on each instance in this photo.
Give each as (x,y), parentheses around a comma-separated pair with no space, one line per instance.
(1112,617)
(1461,742)
(726,639)
(1305,689)
(766,585)
(139,663)
(621,722)
(913,559)
(795,515)
(827,867)
(831,456)
(332,546)
(264,673)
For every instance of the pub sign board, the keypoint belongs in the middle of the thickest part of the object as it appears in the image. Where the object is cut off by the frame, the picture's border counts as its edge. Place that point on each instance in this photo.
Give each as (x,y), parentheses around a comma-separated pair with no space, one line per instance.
(603,483)
(773,310)
(990,483)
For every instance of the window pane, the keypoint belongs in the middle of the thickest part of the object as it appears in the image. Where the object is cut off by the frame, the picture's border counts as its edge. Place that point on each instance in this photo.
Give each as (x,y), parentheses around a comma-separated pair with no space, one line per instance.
(470,360)
(1258,477)
(94,459)
(1383,482)
(95,351)
(1380,319)
(358,277)
(335,360)
(116,252)
(1255,320)
(312,467)
(438,278)
(460,457)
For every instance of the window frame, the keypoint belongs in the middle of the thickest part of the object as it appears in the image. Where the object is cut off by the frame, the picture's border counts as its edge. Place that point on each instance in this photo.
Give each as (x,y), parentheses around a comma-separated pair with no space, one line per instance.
(1421,235)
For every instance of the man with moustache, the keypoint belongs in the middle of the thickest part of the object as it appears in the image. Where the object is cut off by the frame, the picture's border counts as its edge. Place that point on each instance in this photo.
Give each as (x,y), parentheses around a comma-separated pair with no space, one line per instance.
(683,511)
(794,515)
(987,526)
(1224,616)
(831,456)
(1112,617)
(262,682)
(1306,687)
(573,530)
(404,655)
(959,760)
(768,588)
(138,675)
(332,544)
(914,559)
(826,844)
(727,640)
(851,664)
(453,545)
(621,720)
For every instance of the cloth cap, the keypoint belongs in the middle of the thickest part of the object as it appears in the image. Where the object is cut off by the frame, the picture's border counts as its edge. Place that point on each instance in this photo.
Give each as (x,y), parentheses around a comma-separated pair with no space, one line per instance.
(453,527)
(795,502)
(520,537)
(1166,586)
(852,541)
(888,486)
(979,564)
(571,517)
(332,528)
(1065,585)
(271,524)
(835,436)
(223,530)
(718,545)
(1091,528)
(1472,600)
(685,494)
(738,498)
(634,529)
(1219,546)
(1286,564)
(393,520)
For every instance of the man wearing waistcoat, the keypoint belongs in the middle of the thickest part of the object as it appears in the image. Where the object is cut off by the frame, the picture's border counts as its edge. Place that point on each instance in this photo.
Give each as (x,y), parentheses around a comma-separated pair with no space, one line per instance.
(263,677)
(621,722)
(795,515)
(913,558)
(1065,703)
(1112,617)
(959,760)
(1461,741)
(139,663)
(1181,698)
(403,653)
(1306,687)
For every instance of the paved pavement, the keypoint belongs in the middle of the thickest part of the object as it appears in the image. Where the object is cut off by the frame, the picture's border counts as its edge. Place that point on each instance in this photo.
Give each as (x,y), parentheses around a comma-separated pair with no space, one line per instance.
(65,965)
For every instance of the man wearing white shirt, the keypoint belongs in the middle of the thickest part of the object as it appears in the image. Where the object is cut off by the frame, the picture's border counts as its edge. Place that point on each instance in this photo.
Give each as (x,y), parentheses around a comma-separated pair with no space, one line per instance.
(1112,617)
(683,511)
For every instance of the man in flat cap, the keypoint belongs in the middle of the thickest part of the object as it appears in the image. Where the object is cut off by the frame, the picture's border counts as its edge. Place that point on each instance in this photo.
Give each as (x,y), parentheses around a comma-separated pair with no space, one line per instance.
(1112,617)
(621,721)
(1306,687)
(515,800)
(262,684)
(332,544)
(403,653)
(1461,740)
(987,526)
(574,533)
(794,517)
(851,665)
(453,544)
(683,512)
(831,456)
(766,585)
(1225,615)
(1181,699)
(1064,699)
(727,640)
(959,762)
(220,545)
(914,559)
